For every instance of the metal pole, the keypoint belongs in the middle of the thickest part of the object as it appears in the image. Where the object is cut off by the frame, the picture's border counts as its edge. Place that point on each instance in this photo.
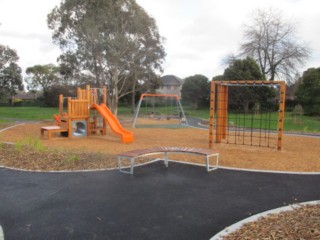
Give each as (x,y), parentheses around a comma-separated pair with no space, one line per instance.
(136,113)
(183,115)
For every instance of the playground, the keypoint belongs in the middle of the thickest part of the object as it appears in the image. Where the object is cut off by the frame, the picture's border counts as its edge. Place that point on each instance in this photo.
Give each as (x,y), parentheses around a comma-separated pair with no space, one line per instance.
(299,153)
(182,201)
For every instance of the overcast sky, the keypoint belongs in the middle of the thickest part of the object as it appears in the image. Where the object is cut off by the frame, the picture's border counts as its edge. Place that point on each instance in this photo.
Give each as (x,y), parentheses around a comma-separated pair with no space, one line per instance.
(198,33)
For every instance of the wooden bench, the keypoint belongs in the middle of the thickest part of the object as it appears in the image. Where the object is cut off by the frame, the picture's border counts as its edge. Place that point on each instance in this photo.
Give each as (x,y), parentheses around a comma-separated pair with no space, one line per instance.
(51,129)
(132,155)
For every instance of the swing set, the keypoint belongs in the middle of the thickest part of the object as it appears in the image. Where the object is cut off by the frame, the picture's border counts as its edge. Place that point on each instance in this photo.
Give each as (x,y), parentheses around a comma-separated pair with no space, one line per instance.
(159,107)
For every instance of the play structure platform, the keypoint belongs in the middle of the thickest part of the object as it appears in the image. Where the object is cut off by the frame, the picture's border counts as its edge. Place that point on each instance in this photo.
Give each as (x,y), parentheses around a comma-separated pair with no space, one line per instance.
(85,116)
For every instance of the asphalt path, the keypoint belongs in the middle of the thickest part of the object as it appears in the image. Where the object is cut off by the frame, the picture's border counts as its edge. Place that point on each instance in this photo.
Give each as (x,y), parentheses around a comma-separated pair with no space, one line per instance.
(179,202)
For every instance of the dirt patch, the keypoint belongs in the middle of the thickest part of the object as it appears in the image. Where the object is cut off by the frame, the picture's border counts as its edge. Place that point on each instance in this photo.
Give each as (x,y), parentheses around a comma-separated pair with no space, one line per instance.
(298,154)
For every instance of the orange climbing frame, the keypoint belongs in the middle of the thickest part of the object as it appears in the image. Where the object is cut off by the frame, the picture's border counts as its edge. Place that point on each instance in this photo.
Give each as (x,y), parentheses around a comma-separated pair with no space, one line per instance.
(219,107)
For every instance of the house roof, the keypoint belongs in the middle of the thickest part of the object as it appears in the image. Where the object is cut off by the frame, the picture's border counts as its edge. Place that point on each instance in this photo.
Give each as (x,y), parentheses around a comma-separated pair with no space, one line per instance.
(171,80)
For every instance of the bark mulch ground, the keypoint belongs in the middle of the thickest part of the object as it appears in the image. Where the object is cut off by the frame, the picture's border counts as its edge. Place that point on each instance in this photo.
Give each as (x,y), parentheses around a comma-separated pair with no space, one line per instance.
(97,151)
(302,223)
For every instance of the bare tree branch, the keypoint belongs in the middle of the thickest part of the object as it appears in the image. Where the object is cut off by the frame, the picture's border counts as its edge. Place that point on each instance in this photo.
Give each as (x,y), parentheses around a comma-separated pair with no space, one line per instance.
(271,41)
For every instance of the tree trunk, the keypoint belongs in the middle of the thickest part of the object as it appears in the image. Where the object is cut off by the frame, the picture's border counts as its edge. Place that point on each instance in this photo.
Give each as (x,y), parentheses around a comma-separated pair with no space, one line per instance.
(245,105)
(115,93)
(12,101)
(195,105)
(133,98)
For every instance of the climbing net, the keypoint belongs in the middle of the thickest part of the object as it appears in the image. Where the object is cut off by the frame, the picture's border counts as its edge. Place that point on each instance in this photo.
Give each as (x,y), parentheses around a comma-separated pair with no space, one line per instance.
(247,113)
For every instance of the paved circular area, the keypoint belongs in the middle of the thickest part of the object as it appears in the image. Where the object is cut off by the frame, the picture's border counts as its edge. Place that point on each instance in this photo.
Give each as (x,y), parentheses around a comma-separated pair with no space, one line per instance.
(179,202)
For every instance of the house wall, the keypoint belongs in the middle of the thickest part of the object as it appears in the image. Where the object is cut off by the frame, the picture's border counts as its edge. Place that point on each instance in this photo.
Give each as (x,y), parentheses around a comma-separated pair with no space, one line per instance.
(173,89)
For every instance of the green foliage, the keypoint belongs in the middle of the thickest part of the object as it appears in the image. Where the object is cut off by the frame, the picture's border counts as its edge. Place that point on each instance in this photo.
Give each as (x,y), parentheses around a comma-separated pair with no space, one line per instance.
(3,121)
(52,96)
(33,143)
(243,69)
(10,72)
(196,90)
(113,41)
(42,76)
(245,98)
(72,158)
(308,92)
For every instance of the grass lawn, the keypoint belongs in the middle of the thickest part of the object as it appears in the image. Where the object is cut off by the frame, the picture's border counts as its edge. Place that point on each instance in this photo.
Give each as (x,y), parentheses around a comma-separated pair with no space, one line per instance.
(301,124)
(27,113)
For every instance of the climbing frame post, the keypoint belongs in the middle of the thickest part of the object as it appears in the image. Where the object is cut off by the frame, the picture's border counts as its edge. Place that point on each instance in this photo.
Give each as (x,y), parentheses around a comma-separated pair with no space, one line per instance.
(212,112)
(281,114)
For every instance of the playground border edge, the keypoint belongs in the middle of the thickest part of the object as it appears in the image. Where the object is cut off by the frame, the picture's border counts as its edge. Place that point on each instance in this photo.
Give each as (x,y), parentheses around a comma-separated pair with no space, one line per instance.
(16,125)
(1,233)
(236,226)
(156,160)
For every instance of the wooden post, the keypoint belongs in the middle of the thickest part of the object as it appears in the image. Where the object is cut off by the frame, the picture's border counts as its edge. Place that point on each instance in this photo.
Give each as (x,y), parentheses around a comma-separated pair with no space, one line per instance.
(224,109)
(220,113)
(88,95)
(104,100)
(281,114)
(79,93)
(60,105)
(70,113)
(212,112)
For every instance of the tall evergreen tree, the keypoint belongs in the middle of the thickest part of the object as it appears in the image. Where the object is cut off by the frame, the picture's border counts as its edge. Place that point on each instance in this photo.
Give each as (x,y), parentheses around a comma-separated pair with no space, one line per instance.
(308,92)
(116,42)
(10,73)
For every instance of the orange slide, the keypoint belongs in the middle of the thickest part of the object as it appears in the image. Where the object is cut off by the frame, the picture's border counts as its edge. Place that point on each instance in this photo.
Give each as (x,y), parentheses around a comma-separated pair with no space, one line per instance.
(126,136)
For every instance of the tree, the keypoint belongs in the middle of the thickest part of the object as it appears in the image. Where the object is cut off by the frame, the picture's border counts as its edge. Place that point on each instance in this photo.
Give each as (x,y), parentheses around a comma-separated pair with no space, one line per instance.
(52,96)
(196,90)
(10,73)
(308,92)
(245,69)
(271,41)
(43,77)
(116,42)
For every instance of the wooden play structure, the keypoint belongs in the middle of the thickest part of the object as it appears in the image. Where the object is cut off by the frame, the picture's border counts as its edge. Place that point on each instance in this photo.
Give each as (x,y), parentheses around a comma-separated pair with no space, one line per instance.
(253,129)
(85,115)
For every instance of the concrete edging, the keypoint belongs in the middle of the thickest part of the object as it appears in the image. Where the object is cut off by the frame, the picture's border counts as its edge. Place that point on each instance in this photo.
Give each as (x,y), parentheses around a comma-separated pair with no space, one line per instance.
(155,160)
(1,233)
(4,129)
